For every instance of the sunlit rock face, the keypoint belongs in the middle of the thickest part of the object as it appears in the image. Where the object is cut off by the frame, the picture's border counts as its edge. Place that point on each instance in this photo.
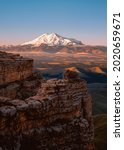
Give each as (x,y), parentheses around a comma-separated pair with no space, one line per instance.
(56,114)
(14,68)
(17,80)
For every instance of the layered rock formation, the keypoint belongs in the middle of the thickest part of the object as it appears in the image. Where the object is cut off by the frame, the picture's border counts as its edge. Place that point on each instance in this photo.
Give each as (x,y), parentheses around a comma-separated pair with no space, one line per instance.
(57,117)
(22,89)
(14,68)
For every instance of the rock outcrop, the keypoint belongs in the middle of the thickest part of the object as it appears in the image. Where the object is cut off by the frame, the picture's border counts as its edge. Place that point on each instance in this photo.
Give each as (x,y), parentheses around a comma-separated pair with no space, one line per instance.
(37,114)
(22,89)
(14,67)
(59,117)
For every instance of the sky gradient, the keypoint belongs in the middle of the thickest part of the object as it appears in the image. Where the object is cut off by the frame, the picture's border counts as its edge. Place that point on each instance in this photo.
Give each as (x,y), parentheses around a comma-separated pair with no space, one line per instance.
(24,20)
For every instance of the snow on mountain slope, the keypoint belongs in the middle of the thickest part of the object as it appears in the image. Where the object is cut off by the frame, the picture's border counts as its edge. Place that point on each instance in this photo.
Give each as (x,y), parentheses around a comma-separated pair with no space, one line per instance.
(53,39)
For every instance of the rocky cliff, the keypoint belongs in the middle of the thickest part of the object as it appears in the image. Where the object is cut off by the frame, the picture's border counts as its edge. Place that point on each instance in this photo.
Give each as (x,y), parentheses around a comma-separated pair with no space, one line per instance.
(57,117)
(14,68)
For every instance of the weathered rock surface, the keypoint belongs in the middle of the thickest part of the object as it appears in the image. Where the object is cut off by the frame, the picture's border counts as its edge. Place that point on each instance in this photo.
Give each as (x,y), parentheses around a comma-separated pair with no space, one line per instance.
(42,115)
(59,117)
(17,79)
(22,89)
(14,68)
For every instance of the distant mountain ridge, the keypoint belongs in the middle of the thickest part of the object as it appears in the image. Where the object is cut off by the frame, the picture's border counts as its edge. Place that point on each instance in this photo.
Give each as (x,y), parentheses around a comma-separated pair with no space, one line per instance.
(56,44)
(60,50)
(52,39)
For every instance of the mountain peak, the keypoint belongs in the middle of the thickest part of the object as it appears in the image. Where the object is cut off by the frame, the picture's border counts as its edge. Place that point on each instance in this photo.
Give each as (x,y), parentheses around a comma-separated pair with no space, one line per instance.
(53,39)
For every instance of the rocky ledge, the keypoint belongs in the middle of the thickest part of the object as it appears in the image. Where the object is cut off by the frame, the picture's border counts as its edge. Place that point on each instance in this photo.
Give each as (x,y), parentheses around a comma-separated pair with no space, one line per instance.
(13,67)
(37,114)
(59,117)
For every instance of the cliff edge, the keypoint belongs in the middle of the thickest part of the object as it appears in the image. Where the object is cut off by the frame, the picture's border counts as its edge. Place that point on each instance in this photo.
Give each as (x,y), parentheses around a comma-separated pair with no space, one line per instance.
(58,117)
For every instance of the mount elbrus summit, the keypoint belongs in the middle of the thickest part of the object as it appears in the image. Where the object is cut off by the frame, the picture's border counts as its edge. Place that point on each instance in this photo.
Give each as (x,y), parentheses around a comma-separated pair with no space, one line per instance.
(55,43)
(53,39)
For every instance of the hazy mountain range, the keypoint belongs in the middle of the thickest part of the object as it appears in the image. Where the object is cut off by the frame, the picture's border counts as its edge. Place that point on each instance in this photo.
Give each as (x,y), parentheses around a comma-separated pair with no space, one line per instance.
(54,43)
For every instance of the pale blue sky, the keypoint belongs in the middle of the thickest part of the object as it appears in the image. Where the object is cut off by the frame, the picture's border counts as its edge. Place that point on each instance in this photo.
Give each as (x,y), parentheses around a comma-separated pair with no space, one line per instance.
(24,20)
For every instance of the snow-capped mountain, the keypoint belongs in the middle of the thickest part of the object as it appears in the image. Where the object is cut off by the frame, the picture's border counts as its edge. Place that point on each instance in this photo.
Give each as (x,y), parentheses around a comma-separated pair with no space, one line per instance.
(53,39)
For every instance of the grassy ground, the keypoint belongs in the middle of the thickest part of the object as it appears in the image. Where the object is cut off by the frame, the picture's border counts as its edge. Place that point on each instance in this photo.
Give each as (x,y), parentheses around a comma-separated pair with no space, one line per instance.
(98,92)
(100,125)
